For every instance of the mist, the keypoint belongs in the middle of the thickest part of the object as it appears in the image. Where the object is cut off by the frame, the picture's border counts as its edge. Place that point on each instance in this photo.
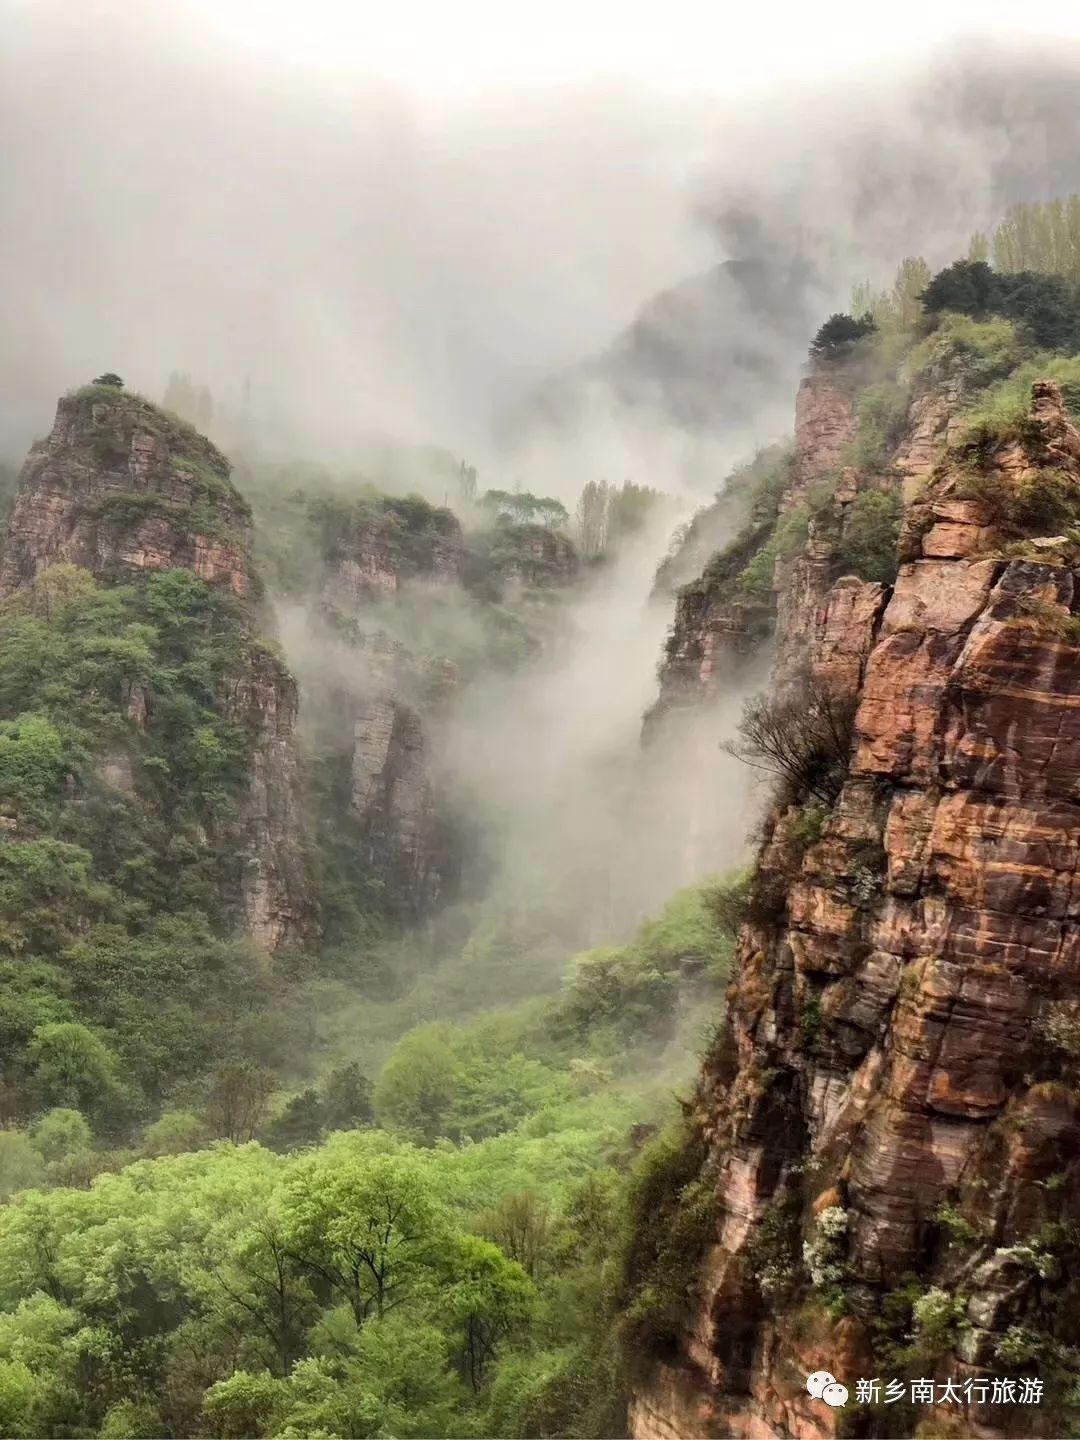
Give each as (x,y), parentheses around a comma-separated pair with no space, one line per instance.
(362,257)
(597,280)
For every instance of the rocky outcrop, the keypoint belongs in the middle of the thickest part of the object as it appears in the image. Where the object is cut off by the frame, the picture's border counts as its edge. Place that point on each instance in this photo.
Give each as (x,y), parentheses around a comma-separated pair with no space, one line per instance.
(121,488)
(824,429)
(394,790)
(117,487)
(275,886)
(894,1105)
(375,547)
(508,562)
(388,564)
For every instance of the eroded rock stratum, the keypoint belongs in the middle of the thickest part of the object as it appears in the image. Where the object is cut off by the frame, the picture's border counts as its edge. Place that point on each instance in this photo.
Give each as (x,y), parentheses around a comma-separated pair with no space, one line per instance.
(122,489)
(891,1109)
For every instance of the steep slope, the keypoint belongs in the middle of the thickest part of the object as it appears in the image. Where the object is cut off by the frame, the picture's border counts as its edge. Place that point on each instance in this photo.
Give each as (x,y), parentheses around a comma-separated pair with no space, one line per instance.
(399,611)
(886,1130)
(129,502)
(119,486)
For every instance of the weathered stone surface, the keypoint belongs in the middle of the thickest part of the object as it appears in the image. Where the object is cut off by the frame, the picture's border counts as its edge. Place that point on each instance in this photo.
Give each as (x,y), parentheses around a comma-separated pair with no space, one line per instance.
(119,486)
(883,1029)
(394,796)
(824,428)
(274,882)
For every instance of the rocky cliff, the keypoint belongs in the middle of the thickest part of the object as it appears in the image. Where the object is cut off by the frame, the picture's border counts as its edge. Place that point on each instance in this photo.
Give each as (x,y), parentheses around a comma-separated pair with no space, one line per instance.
(124,491)
(413,609)
(119,486)
(889,1122)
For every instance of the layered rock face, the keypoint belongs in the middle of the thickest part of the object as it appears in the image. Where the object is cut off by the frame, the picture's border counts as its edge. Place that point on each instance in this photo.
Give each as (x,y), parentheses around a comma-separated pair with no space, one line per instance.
(719,624)
(394,792)
(391,565)
(118,486)
(121,488)
(892,1105)
(275,888)
(413,609)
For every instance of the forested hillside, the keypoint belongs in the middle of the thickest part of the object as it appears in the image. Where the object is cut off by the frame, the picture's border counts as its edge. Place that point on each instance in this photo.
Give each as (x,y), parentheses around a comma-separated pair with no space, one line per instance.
(310,1125)
(534,907)
(885,1128)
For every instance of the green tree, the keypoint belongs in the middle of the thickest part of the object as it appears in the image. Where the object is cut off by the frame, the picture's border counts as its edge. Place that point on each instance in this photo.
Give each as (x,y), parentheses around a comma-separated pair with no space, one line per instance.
(73,1067)
(837,335)
(21,1164)
(520,1225)
(346,1098)
(979,247)
(237,1102)
(592,517)
(371,1229)
(61,1132)
(868,545)
(244,1405)
(487,1297)
(173,1133)
(132,1420)
(912,278)
(300,1123)
(415,1091)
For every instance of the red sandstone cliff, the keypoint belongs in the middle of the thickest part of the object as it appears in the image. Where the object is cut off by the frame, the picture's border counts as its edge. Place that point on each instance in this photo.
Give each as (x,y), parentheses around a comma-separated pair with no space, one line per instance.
(896,1054)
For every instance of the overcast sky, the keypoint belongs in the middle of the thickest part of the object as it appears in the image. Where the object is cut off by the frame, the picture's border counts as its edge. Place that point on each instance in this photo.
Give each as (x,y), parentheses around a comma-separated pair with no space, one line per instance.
(398,216)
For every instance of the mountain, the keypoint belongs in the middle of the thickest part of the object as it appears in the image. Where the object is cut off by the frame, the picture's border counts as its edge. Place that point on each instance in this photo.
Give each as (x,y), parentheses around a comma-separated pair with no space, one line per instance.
(713,352)
(878,1173)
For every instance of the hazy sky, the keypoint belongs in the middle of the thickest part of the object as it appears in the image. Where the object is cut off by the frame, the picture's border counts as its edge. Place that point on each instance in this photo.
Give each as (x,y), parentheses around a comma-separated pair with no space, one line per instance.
(450,49)
(397,217)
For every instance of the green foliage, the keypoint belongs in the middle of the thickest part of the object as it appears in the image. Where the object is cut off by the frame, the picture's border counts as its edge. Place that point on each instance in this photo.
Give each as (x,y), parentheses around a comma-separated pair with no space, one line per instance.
(838,334)
(173,1133)
(73,1067)
(21,1163)
(773,1259)
(410,527)
(33,764)
(125,854)
(607,515)
(131,1420)
(899,309)
(1041,235)
(371,1230)
(880,413)
(867,546)
(968,287)
(753,494)
(1042,502)
(1046,306)
(61,1132)
(1001,411)
(523,508)
(243,1405)
(110,379)
(631,993)
(977,352)
(444,1081)
(810,1021)
(789,536)
(671,1218)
